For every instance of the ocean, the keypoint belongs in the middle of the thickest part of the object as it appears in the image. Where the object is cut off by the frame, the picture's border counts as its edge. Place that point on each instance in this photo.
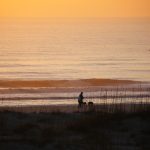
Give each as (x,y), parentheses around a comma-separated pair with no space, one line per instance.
(49,48)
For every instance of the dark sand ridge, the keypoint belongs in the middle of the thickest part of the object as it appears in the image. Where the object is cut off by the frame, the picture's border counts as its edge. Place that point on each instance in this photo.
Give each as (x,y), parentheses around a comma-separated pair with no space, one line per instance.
(63,83)
(127,107)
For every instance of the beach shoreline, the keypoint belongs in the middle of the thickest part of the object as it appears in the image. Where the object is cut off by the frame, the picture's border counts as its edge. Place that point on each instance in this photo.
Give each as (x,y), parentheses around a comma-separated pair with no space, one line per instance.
(21,93)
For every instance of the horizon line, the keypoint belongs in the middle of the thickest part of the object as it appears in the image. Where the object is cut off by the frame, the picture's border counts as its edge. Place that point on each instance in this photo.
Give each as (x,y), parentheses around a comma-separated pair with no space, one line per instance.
(123,17)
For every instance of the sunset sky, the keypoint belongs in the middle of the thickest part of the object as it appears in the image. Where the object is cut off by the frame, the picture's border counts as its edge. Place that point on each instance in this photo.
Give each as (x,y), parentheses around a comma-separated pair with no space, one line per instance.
(74,8)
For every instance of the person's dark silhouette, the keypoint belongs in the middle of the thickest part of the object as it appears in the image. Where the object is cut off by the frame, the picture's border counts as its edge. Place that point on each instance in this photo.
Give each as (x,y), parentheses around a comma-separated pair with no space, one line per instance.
(80,99)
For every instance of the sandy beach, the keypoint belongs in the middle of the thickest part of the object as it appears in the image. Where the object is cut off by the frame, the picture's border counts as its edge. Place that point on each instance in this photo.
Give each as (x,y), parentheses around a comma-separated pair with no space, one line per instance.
(108,108)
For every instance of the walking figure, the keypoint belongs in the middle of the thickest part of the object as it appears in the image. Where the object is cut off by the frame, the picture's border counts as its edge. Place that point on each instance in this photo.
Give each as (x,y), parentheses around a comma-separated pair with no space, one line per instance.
(80,99)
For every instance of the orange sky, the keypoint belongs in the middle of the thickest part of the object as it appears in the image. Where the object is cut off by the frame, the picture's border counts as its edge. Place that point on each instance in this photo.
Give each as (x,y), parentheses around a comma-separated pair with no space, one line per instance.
(74,8)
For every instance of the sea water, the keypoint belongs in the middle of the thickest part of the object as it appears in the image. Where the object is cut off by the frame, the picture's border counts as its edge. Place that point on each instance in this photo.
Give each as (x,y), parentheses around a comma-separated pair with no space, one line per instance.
(49,48)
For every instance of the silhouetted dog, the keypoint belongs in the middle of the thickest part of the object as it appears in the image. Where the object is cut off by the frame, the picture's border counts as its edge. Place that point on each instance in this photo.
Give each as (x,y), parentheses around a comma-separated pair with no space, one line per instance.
(91,106)
(90,103)
(84,104)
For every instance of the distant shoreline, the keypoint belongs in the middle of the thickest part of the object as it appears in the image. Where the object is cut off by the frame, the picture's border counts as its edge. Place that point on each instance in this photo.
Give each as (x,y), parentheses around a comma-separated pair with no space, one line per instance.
(64,83)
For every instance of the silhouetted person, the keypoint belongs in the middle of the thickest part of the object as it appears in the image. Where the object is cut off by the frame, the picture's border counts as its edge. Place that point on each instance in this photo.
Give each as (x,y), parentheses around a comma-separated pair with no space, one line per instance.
(80,99)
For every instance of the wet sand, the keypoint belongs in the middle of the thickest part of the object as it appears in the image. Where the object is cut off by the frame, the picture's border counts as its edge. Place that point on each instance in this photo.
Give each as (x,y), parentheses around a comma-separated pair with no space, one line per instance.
(44,108)
(109,108)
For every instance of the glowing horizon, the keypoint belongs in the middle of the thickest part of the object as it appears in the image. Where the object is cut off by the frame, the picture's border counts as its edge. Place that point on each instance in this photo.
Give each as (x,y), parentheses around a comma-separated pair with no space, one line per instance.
(74,8)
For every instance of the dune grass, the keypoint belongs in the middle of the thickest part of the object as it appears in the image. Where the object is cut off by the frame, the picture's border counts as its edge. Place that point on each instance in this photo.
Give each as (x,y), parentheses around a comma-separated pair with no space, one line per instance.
(88,130)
